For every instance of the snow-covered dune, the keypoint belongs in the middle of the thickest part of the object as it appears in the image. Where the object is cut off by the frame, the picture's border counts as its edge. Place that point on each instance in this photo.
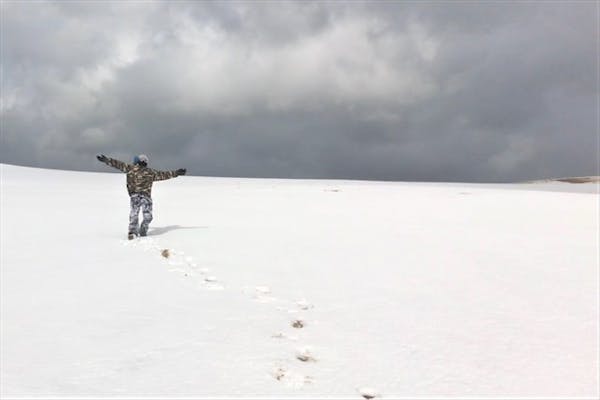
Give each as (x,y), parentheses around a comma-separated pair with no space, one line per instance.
(297,288)
(572,179)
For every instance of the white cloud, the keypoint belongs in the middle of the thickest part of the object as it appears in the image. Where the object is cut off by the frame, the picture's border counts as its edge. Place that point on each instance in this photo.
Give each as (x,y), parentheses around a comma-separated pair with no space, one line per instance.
(215,72)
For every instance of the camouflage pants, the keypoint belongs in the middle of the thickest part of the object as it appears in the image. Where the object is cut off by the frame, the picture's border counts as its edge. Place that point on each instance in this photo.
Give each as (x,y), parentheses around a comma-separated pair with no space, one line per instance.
(145,203)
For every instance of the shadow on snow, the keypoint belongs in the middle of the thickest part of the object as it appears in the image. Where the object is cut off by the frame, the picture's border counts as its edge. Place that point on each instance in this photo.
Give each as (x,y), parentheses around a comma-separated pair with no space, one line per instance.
(164,229)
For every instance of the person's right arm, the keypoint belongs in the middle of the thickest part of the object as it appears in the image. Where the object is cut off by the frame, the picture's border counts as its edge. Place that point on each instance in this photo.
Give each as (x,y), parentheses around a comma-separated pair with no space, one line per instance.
(120,165)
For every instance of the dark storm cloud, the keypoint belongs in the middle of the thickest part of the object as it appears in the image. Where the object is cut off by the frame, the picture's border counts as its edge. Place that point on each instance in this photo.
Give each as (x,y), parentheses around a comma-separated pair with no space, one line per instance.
(490,91)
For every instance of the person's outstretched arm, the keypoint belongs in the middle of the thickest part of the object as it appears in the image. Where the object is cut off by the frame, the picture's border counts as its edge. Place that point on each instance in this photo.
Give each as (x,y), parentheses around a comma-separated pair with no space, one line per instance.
(162,175)
(120,165)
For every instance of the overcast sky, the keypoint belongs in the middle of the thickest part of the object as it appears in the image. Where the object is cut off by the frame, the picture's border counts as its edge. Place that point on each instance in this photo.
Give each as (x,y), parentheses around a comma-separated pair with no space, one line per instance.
(430,91)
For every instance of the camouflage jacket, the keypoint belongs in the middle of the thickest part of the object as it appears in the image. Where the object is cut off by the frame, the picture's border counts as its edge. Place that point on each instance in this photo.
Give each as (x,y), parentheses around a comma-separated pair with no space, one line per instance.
(140,178)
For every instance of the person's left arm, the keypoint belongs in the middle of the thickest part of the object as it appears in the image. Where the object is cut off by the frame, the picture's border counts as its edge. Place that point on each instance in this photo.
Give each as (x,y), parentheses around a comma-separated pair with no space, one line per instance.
(164,175)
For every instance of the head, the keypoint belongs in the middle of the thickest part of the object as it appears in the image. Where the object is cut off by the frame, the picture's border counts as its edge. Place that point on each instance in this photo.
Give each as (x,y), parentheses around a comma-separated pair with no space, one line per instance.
(141,159)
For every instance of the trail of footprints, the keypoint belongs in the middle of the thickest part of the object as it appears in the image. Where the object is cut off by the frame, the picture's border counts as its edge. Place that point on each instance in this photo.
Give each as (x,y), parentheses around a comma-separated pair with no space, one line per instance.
(283,370)
(178,262)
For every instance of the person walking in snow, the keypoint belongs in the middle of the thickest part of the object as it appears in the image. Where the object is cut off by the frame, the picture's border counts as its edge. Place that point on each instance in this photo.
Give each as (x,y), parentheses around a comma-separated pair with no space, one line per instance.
(139,186)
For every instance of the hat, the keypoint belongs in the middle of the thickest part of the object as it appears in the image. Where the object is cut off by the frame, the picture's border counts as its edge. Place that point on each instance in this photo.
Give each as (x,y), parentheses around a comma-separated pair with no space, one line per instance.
(142,158)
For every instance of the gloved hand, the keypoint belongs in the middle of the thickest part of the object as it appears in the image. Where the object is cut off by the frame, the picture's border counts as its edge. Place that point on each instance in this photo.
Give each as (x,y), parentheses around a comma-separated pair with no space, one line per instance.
(102,158)
(181,171)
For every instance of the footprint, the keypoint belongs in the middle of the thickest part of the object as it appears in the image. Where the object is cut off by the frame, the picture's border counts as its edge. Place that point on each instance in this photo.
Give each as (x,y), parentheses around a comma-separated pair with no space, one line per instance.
(175,259)
(281,335)
(298,323)
(305,355)
(368,392)
(262,289)
(304,305)
(279,373)
(262,294)
(291,379)
(212,283)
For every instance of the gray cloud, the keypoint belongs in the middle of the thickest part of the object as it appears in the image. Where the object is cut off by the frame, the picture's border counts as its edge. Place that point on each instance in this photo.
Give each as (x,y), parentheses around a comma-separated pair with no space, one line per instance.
(490,91)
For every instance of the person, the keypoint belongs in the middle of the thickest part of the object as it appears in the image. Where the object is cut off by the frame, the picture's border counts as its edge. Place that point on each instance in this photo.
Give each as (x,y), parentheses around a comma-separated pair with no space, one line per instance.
(139,186)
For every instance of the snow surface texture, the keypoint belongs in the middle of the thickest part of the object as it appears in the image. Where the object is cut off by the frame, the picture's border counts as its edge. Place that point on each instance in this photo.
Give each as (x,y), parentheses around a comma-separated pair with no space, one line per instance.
(298,288)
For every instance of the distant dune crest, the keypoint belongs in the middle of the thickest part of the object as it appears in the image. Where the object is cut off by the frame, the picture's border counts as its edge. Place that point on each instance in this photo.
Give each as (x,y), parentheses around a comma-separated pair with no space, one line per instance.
(571,179)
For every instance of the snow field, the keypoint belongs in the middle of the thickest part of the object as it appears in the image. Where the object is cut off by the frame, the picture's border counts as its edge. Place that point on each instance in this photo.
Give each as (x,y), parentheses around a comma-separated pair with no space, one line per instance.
(283,289)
